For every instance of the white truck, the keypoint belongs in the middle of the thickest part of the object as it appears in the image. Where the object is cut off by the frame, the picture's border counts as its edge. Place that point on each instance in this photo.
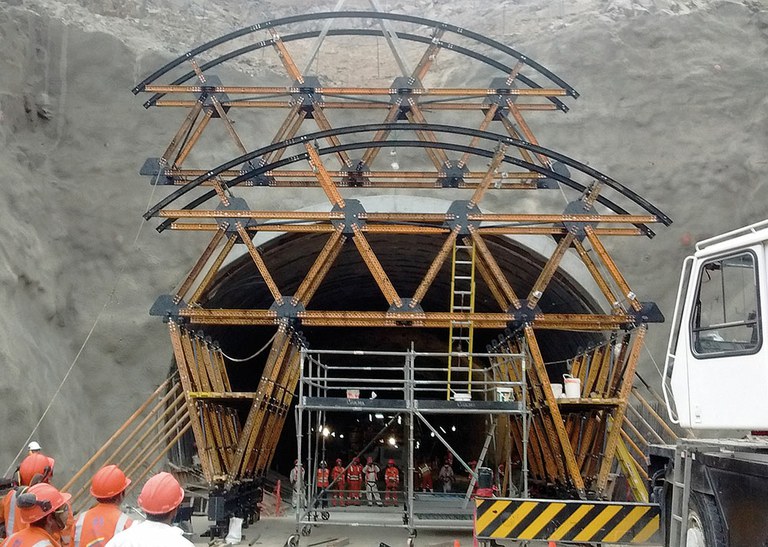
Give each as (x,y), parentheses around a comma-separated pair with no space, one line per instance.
(714,492)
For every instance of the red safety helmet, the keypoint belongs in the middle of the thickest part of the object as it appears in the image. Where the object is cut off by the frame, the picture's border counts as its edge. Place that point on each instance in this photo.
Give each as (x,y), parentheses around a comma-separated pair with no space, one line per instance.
(370,459)
(161,494)
(108,482)
(355,460)
(391,461)
(39,501)
(338,461)
(35,464)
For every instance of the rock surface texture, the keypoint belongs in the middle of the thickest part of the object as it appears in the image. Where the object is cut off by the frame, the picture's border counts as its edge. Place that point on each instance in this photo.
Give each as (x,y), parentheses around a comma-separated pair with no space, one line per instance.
(673,104)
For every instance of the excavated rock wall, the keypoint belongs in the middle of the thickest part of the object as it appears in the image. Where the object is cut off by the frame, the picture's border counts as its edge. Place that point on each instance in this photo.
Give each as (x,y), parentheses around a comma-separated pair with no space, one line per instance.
(673,105)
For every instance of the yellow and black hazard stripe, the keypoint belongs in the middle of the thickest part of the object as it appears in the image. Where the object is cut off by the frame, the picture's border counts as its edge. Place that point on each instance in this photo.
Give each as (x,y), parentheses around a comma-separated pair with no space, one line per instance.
(556,520)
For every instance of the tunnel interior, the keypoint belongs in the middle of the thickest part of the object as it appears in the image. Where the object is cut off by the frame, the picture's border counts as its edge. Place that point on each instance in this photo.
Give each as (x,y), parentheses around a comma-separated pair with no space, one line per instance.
(350,286)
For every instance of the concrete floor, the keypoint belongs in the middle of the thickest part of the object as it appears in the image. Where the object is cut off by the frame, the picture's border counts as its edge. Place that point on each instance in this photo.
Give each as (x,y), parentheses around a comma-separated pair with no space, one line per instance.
(274,531)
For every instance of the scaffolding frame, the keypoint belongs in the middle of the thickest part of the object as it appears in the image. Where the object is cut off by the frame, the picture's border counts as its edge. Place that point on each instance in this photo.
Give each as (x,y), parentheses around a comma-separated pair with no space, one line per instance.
(423,394)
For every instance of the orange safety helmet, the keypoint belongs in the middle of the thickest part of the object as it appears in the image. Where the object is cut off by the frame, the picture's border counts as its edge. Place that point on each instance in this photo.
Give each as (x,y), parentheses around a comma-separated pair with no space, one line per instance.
(108,482)
(35,464)
(161,494)
(39,501)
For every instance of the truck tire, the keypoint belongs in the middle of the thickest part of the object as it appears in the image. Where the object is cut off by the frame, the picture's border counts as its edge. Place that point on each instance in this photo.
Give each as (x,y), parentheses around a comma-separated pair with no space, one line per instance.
(704,525)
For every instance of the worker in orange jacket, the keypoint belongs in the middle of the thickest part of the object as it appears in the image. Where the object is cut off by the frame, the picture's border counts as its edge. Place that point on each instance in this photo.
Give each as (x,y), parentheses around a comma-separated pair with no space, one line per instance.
(34,469)
(337,476)
(323,481)
(391,483)
(43,510)
(354,481)
(96,526)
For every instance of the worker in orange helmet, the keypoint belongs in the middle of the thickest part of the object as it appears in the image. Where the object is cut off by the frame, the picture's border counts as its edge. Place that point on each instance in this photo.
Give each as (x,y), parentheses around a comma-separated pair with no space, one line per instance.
(337,475)
(160,499)
(43,509)
(34,469)
(323,481)
(97,525)
(354,481)
(391,483)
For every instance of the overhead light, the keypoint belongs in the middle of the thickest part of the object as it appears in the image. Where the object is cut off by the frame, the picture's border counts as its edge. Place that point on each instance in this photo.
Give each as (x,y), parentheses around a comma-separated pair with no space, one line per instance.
(378,416)
(326,431)
(392,441)
(431,433)
(341,435)
(399,420)
(443,430)
(453,428)
(394,163)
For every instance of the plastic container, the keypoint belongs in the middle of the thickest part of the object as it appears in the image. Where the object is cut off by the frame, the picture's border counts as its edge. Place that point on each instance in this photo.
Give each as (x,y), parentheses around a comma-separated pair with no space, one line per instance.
(557,390)
(462,397)
(504,394)
(572,387)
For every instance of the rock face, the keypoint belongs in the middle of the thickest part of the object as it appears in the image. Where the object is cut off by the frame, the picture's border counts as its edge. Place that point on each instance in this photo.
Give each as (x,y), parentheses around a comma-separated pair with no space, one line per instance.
(673,105)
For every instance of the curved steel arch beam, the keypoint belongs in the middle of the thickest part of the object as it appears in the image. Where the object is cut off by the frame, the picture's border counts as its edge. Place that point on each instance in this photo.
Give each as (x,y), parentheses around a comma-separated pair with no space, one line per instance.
(403,144)
(357,15)
(437,128)
(355,32)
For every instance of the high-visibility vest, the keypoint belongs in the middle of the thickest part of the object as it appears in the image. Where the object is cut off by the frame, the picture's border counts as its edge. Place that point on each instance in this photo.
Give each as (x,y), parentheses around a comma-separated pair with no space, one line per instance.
(355,473)
(338,475)
(32,536)
(95,527)
(392,476)
(322,477)
(11,514)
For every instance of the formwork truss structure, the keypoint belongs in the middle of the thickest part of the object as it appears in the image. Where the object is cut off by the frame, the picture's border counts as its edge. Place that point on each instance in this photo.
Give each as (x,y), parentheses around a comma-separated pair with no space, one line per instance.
(466,163)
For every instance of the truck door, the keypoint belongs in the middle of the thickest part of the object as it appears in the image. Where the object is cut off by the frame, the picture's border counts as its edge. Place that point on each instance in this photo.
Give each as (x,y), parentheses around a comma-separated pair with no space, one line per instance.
(727,378)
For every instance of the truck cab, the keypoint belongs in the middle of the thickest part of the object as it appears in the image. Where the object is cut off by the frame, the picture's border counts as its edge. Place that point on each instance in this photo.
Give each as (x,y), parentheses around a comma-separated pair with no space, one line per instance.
(716,360)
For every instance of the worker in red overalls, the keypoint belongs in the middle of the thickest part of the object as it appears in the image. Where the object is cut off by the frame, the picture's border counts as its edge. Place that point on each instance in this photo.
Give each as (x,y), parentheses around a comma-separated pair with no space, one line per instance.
(337,476)
(354,481)
(322,484)
(392,483)
(426,477)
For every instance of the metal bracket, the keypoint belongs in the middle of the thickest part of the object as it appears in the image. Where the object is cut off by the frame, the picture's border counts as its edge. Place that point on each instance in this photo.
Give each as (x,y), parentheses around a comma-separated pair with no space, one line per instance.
(208,92)
(354,213)
(548,183)
(458,215)
(648,313)
(405,307)
(503,92)
(235,204)
(356,176)
(307,96)
(578,228)
(400,91)
(287,314)
(165,306)
(153,168)
(522,316)
(452,175)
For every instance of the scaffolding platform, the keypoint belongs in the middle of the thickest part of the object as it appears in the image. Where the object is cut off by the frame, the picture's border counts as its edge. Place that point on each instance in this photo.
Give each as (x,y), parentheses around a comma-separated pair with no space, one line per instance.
(401,389)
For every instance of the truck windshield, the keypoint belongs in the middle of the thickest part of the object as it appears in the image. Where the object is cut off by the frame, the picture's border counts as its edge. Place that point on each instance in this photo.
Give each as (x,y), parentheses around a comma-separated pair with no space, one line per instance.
(726,316)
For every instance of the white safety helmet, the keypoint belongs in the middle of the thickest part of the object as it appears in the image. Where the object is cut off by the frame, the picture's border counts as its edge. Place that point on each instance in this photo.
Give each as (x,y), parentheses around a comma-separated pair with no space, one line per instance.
(34,445)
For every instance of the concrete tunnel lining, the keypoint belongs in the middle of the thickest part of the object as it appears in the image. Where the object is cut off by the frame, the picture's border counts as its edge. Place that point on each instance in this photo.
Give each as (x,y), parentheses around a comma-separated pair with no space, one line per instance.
(349,286)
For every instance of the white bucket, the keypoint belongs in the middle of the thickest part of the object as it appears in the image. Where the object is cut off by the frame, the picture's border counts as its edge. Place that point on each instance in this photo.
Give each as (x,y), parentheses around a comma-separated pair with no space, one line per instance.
(557,390)
(504,394)
(572,386)
(462,397)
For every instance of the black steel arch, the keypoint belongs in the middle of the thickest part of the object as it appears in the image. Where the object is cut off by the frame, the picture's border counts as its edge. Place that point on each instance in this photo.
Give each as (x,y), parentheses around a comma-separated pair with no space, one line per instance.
(355,32)
(436,128)
(358,15)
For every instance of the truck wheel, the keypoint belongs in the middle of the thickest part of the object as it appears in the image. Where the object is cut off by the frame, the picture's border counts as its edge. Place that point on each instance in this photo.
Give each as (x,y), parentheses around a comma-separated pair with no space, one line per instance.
(704,525)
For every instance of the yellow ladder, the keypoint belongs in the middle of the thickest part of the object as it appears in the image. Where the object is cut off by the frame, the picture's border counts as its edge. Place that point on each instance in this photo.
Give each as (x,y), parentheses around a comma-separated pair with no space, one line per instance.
(460,333)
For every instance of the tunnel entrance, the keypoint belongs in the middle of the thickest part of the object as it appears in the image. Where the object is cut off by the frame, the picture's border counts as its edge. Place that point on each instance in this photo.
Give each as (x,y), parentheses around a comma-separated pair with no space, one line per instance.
(240,285)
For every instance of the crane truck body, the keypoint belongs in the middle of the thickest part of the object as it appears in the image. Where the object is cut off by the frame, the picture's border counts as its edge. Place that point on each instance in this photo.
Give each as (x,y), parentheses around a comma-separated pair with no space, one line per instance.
(714,492)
